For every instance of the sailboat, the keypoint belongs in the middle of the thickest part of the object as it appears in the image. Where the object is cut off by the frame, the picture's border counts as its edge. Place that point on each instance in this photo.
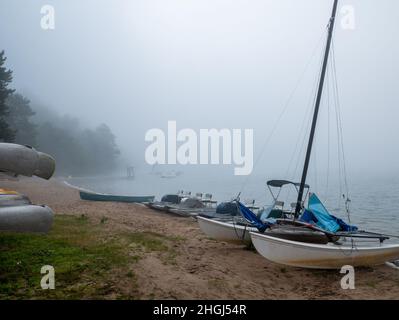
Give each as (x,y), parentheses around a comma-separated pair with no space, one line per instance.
(233,230)
(343,245)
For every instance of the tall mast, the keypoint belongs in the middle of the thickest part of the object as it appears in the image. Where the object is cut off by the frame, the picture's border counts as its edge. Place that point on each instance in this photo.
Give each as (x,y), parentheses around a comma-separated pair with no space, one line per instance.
(316,109)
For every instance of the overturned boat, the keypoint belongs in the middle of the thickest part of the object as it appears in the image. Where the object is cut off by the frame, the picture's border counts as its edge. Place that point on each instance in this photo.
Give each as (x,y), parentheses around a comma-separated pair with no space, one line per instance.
(9,200)
(17,213)
(26,218)
(24,160)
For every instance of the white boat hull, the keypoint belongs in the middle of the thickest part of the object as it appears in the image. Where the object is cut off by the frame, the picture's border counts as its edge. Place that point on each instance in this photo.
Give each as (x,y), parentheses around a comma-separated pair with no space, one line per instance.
(321,256)
(225,231)
(26,218)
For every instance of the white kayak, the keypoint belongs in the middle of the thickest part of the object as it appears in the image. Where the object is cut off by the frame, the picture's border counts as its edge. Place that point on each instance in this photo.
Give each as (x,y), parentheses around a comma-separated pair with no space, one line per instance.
(322,256)
(26,218)
(225,231)
(24,160)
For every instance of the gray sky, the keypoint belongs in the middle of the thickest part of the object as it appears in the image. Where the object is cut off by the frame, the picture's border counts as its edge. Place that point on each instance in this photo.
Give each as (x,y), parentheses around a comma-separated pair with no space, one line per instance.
(211,63)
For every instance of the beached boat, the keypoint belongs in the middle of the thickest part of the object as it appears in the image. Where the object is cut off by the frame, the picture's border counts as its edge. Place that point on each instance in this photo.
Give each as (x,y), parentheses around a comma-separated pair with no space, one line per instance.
(26,218)
(92,196)
(187,207)
(24,160)
(346,245)
(166,201)
(225,230)
(322,256)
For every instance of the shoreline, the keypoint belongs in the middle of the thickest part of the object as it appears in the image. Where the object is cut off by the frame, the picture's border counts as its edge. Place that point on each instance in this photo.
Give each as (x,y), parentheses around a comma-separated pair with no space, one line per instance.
(202,268)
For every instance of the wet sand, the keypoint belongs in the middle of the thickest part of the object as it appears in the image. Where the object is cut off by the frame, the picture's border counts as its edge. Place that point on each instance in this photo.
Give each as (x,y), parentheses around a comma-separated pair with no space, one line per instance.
(204,268)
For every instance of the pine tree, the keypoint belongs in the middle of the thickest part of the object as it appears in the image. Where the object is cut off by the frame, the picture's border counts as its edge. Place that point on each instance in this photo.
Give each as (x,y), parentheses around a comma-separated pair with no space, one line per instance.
(6,133)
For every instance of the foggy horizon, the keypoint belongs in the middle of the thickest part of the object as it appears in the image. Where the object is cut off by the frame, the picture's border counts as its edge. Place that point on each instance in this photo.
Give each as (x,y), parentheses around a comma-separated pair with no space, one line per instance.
(134,65)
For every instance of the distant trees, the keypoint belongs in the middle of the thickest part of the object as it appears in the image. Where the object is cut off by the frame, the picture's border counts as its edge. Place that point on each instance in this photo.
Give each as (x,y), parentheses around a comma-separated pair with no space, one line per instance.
(77,151)
(19,118)
(6,133)
(101,144)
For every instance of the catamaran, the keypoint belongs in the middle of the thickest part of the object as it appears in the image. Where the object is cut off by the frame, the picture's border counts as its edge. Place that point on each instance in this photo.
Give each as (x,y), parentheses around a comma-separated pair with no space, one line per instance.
(308,237)
(345,244)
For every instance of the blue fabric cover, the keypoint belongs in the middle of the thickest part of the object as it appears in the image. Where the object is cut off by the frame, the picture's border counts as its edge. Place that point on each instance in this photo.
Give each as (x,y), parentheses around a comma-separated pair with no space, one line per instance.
(317,214)
(252,218)
(265,212)
(324,219)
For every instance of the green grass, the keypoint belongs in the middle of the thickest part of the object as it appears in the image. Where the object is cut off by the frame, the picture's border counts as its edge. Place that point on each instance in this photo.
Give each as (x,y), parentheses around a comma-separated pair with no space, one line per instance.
(89,261)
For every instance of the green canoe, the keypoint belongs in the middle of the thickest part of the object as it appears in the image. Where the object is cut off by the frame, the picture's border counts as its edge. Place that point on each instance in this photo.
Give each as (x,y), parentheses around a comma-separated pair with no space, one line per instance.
(110,197)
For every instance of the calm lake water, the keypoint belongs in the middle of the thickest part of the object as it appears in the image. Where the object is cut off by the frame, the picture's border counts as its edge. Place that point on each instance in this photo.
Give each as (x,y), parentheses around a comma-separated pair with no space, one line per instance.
(372,207)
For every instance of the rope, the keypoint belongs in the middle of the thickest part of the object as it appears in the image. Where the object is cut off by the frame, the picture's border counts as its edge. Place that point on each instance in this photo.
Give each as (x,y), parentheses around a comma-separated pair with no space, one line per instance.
(340,136)
(283,111)
(328,135)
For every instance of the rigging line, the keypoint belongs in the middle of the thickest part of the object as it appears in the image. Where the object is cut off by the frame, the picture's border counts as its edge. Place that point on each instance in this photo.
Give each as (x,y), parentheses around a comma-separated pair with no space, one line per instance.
(316,163)
(341,140)
(304,126)
(300,135)
(284,108)
(338,140)
(312,104)
(298,152)
(328,133)
(301,150)
(340,122)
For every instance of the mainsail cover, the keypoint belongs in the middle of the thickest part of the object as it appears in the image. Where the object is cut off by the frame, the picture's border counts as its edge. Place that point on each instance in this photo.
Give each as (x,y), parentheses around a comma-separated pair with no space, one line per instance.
(318,214)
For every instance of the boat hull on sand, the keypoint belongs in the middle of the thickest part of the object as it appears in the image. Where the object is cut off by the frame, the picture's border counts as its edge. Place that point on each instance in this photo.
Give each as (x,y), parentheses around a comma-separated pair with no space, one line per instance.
(114,198)
(26,218)
(225,231)
(321,256)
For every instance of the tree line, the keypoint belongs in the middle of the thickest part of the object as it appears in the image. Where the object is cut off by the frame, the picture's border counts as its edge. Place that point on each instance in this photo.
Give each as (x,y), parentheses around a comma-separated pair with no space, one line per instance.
(77,150)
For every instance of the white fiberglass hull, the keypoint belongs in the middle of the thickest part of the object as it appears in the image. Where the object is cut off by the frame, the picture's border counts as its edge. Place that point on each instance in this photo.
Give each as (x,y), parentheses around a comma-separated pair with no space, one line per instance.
(225,231)
(26,218)
(321,256)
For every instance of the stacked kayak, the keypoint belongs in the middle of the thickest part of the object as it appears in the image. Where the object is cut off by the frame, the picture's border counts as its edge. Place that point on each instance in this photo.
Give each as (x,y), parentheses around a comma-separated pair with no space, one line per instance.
(24,160)
(16,199)
(17,213)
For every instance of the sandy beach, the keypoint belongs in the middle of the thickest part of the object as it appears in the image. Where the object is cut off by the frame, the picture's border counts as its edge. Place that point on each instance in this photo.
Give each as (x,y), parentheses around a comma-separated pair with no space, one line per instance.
(202,268)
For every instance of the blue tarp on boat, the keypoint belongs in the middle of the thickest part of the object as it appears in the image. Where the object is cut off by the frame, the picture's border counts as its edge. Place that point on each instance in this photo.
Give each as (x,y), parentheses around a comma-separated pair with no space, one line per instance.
(264,214)
(252,218)
(317,214)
